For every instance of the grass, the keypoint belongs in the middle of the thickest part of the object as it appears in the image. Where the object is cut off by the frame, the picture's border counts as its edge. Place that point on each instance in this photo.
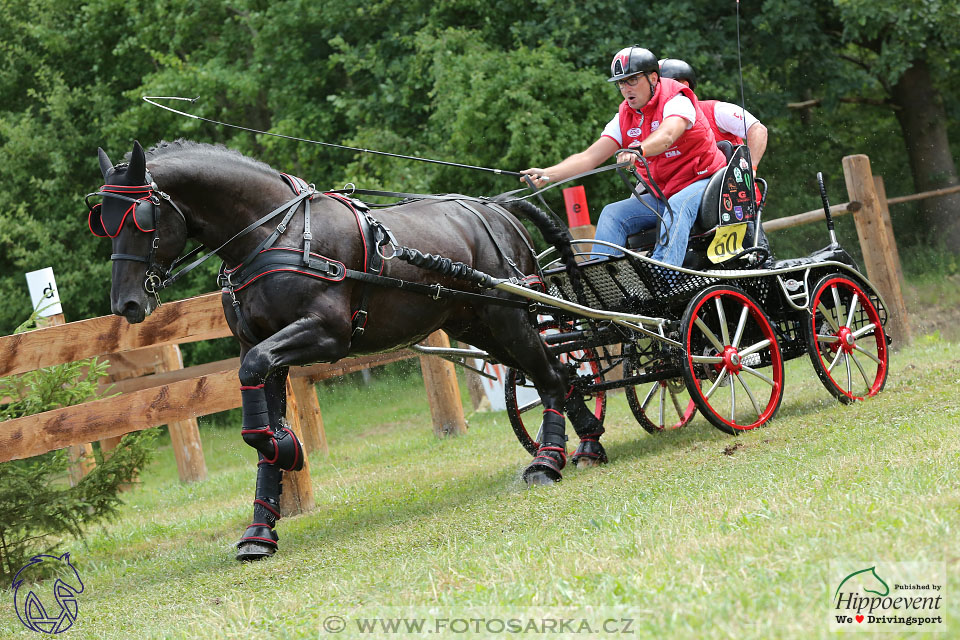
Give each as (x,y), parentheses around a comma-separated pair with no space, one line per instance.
(688,534)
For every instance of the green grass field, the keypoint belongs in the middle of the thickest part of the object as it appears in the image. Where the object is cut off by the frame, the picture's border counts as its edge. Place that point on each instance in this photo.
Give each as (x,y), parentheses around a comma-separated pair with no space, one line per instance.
(690,534)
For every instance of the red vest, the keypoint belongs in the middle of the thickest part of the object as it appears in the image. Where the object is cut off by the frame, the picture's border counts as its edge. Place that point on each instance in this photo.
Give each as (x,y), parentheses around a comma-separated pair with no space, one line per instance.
(708,107)
(693,157)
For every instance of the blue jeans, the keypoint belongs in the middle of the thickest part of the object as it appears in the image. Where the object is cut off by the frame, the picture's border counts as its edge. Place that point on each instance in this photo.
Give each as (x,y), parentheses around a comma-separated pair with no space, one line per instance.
(626,217)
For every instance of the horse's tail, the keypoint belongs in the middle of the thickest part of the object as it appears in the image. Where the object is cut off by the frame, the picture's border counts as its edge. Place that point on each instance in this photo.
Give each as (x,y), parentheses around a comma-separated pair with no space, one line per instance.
(552,229)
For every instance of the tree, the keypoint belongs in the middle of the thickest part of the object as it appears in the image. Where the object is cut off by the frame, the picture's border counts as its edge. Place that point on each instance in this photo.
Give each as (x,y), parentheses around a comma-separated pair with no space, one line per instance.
(886,53)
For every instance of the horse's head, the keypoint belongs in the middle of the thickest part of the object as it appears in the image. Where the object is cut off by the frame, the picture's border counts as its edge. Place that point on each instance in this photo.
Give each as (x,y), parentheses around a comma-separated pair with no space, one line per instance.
(147,231)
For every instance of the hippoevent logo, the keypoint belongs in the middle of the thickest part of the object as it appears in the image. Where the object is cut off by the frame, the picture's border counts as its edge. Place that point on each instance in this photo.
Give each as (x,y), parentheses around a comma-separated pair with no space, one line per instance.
(56,610)
(887,596)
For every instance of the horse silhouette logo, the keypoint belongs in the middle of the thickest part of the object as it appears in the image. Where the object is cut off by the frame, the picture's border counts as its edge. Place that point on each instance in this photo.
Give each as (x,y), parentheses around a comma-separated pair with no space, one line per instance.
(31,610)
(870,571)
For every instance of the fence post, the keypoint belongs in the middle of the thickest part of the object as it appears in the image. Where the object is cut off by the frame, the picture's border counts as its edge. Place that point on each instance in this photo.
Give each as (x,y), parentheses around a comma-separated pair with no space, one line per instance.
(443,392)
(81,456)
(877,244)
(308,410)
(888,223)
(184,435)
(297,494)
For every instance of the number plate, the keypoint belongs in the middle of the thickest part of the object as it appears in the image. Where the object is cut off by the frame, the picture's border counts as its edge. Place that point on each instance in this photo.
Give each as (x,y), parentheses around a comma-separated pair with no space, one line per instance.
(727,242)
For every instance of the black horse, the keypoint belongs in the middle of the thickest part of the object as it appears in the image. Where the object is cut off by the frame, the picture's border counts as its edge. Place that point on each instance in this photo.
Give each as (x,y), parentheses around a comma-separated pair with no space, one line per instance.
(293,298)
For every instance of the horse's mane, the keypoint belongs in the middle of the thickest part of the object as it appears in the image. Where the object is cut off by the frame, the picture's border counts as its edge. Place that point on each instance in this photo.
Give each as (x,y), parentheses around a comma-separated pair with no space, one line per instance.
(211,154)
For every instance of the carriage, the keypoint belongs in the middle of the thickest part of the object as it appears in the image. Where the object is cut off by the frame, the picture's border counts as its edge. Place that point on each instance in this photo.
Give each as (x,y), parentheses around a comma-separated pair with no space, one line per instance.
(712,336)
(709,337)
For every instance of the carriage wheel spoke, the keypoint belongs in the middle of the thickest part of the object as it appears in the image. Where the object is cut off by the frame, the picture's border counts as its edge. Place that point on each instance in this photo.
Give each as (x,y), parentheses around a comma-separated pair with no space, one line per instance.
(757,374)
(854,305)
(828,316)
(763,344)
(862,331)
(846,361)
(862,372)
(740,326)
(663,404)
(836,359)
(724,331)
(753,400)
(709,334)
(676,404)
(716,383)
(827,339)
(837,305)
(867,353)
(706,359)
(530,405)
(646,400)
(733,398)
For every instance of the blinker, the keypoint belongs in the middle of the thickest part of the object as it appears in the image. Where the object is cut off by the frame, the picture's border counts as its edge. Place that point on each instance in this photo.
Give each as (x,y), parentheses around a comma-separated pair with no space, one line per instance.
(143,209)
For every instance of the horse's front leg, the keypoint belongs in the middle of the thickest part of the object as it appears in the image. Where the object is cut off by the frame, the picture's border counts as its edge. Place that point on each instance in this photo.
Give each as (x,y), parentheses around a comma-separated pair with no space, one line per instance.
(278,449)
(263,375)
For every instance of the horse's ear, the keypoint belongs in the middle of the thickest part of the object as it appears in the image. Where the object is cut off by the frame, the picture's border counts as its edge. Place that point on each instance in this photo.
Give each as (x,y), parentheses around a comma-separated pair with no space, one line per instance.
(136,172)
(105,164)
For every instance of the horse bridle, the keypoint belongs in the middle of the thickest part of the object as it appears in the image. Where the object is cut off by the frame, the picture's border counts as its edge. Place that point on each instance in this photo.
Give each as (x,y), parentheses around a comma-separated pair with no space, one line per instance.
(156,275)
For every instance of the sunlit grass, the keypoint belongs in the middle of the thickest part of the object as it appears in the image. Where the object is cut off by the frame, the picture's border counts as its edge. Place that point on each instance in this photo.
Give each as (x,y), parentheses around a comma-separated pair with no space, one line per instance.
(692,537)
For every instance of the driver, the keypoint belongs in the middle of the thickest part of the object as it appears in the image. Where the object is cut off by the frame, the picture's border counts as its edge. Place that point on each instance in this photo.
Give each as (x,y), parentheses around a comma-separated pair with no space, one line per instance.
(660,118)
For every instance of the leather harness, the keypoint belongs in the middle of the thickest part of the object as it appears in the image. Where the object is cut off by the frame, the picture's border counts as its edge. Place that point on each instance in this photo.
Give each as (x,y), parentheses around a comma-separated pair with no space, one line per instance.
(374,235)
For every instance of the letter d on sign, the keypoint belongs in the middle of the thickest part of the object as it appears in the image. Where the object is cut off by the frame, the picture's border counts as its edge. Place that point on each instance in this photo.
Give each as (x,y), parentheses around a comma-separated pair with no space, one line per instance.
(44,293)
(575,199)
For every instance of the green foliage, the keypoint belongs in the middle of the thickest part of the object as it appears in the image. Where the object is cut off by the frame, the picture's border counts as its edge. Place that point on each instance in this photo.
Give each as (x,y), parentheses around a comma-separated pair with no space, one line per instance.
(39,505)
(498,84)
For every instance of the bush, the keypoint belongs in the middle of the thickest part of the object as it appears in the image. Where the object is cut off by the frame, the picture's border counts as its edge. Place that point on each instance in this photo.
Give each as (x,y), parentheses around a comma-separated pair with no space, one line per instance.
(39,505)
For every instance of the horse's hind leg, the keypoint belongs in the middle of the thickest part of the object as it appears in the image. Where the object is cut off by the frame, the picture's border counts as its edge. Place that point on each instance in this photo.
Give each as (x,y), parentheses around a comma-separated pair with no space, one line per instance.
(263,375)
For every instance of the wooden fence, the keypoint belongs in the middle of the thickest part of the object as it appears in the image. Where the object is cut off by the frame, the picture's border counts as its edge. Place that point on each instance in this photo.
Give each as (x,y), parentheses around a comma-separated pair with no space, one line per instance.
(155,389)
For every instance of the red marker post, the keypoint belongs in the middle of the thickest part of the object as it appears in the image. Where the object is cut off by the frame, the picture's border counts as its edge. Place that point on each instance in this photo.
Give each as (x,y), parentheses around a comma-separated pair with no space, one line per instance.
(578,215)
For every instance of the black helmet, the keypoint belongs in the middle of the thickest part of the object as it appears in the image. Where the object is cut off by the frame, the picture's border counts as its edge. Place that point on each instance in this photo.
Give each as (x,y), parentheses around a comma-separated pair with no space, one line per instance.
(678,70)
(630,61)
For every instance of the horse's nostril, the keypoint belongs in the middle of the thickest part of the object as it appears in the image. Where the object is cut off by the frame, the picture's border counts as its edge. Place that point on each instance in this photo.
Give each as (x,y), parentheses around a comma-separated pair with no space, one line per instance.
(132,310)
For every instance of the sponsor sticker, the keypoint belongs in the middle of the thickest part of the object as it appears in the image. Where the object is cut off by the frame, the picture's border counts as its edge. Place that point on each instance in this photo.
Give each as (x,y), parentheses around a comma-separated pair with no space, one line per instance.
(727,202)
(634,133)
(743,164)
(737,174)
(791,284)
(738,211)
(725,217)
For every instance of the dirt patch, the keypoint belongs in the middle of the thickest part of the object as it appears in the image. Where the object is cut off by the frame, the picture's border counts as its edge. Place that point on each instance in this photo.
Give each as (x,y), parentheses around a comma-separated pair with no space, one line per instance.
(730,448)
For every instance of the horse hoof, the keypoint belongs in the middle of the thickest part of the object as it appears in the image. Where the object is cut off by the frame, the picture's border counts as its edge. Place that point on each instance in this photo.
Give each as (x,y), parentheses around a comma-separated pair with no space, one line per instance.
(539,478)
(249,551)
(586,463)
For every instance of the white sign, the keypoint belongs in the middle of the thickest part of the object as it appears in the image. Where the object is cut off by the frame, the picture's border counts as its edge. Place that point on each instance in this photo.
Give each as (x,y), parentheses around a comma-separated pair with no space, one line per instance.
(44,293)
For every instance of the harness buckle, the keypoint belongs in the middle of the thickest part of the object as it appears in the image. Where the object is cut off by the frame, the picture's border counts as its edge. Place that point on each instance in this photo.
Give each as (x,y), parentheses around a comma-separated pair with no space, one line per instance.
(359,321)
(281,227)
(439,289)
(307,235)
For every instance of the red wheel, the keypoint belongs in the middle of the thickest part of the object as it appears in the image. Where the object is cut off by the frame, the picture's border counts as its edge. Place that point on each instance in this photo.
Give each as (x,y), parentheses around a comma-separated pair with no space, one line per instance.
(665,404)
(845,339)
(524,406)
(733,367)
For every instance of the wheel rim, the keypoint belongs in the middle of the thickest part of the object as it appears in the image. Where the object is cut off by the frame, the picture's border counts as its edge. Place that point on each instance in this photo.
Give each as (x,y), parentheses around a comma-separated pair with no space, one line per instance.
(731,345)
(522,399)
(849,346)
